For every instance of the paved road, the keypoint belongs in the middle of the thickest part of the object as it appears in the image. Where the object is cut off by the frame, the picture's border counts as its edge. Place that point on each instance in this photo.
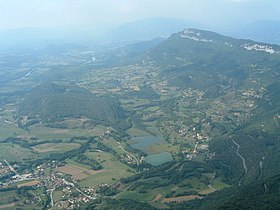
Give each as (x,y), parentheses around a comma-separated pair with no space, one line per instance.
(237,152)
(13,170)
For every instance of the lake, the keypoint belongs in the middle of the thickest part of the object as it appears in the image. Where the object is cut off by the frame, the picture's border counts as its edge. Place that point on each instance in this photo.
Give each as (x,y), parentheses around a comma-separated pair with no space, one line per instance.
(144,142)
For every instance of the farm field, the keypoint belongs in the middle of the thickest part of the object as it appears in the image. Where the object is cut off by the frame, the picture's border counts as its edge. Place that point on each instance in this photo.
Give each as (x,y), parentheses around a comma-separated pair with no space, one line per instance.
(10,130)
(163,147)
(13,152)
(28,183)
(77,172)
(45,133)
(112,170)
(55,147)
(164,123)
(181,199)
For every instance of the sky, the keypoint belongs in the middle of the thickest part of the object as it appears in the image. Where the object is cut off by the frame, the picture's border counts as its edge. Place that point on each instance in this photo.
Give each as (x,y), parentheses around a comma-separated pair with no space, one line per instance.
(53,13)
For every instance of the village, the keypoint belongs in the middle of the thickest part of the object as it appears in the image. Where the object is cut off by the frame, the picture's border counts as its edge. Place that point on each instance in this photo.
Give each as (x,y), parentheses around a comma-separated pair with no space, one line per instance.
(47,176)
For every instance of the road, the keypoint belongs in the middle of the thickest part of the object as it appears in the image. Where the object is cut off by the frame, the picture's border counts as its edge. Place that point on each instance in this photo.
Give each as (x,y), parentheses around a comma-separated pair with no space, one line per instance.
(13,170)
(211,182)
(73,185)
(51,196)
(237,152)
(129,154)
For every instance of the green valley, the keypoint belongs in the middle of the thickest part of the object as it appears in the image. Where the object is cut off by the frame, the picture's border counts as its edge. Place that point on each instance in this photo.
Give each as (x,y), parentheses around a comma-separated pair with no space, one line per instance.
(191,122)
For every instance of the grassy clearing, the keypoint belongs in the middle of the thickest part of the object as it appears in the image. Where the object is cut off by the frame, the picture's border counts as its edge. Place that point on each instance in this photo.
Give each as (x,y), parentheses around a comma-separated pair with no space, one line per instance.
(140,102)
(152,108)
(8,127)
(163,147)
(7,197)
(77,171)
(114,145)
(57,195)
(111,142)
(181,199)
(28,183)
(13,152)
(45,133)
(10,130)
(112,171)
(137,196)
(55,147)
(206,191)
(218,184)
(74,163)
(150,195)
(99,129)
(73,123)
(135,132)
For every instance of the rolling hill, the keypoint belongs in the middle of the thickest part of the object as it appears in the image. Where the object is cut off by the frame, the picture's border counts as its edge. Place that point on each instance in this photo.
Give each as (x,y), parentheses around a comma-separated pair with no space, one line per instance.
(52,102)
(213,101)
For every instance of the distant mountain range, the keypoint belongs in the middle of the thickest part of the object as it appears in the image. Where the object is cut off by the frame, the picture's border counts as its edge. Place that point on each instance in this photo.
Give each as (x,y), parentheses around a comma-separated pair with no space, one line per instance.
(148,29)
(140,30)
(262,31)
(38,37)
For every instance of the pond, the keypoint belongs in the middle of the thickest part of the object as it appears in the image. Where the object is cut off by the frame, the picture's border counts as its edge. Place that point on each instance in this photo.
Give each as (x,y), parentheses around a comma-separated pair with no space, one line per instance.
(144,142)
(158,159)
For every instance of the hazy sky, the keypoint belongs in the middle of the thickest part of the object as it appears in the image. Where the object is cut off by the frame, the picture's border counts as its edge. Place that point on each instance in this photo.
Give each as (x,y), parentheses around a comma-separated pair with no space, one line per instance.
(26,13)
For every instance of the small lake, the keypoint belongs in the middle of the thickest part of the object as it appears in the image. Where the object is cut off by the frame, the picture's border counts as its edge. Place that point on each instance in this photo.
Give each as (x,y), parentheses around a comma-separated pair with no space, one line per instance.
(144,142)
(158,159)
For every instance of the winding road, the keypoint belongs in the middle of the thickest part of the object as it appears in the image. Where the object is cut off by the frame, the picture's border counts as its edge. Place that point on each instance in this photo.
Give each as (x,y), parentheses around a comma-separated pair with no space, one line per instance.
(237,152)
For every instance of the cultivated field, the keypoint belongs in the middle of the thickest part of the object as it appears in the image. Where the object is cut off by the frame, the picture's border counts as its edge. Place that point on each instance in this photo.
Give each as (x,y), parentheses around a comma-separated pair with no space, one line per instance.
(29,183)
(55,147)
(45,133)
(112,171)
(181,199)
(77,172)
(13,152)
